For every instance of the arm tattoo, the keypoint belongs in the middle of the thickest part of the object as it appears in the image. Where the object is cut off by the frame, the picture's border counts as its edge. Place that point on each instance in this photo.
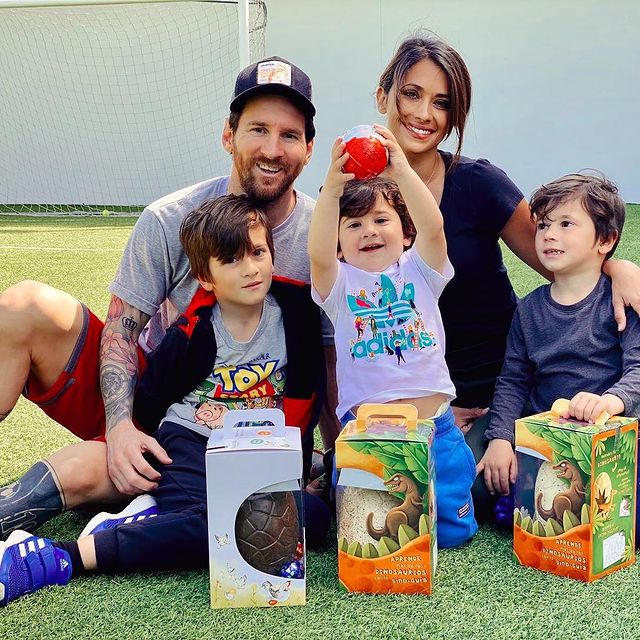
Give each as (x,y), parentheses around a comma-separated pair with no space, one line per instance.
(119,360)
(129,324)
(116,309)
(117,392)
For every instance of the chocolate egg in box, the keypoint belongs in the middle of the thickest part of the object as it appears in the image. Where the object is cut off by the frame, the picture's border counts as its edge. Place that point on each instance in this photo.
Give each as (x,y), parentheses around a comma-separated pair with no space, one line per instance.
(385,501)
(254,508)
(575,493)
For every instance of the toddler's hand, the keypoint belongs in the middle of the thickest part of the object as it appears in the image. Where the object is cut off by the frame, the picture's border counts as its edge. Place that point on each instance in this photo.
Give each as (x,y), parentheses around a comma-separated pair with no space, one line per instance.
(398,162)
(499,466)
(588,406)
(335,179)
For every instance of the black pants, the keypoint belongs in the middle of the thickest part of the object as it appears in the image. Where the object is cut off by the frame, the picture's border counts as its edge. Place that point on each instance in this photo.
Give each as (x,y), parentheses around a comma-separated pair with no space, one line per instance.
(483,502)
(176,539)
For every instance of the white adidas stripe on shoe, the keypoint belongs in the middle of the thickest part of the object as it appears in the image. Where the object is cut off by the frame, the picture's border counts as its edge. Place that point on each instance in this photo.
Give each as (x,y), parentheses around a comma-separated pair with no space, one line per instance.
(28,563)
(141,508)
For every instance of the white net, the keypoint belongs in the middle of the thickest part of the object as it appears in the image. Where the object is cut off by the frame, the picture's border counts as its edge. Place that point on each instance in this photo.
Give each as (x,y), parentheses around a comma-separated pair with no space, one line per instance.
(112,106)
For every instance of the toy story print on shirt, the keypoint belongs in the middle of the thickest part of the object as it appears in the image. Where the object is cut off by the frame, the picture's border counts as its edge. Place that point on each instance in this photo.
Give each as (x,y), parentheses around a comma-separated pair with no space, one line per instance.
(386,322)
(259,385)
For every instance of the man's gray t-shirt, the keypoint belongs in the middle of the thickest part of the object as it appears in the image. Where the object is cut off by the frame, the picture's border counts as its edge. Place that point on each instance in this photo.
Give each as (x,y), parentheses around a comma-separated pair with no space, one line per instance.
(155,269)
(246,375)
(555,351)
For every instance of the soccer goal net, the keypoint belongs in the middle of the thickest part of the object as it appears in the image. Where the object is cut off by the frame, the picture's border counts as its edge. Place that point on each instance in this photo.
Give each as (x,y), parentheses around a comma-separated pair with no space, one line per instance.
(110,106)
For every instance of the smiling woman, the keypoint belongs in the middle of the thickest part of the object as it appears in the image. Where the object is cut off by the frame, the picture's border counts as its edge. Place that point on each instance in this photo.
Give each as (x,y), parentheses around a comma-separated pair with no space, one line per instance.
(425,93)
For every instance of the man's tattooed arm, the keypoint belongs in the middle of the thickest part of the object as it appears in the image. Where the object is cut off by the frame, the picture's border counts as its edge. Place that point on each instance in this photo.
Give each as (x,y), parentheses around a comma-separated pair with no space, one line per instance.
(129,471)
(119,360)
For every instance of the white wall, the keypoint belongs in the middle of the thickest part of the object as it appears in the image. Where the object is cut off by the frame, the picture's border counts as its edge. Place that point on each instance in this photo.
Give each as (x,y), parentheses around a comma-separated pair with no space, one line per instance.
(556,84)
(556,89)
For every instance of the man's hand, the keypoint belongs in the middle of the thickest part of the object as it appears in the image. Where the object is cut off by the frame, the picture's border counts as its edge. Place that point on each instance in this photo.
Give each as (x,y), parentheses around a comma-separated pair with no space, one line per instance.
(499,466)
(128,469)
(464,417)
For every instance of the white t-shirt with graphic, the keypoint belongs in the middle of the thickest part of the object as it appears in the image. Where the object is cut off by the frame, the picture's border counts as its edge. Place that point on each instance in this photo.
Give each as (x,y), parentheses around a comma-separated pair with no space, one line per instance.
(388,332)
(246,375)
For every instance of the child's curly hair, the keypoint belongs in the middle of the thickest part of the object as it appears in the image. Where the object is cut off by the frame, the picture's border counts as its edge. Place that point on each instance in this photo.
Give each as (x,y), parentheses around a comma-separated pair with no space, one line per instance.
(360,196)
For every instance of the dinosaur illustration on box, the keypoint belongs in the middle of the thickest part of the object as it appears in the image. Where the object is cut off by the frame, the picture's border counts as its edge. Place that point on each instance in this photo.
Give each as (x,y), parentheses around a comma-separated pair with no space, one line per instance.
(406,513)
(570,500)
(604,493)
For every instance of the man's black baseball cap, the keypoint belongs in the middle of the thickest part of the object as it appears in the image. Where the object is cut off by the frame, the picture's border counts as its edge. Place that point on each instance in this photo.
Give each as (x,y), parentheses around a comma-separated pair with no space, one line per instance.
(274,76)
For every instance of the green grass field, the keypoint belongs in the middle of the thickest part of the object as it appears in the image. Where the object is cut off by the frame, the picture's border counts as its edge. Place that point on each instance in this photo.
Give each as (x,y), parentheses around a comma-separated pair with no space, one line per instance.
(480,592)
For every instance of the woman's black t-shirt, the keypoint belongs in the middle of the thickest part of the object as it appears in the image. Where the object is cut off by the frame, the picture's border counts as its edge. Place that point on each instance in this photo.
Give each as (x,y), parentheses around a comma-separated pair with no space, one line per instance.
(478,304)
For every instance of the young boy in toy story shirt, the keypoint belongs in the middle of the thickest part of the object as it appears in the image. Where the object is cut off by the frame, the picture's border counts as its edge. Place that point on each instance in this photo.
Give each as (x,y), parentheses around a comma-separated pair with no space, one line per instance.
(247,375)
(247,339)
(381,294)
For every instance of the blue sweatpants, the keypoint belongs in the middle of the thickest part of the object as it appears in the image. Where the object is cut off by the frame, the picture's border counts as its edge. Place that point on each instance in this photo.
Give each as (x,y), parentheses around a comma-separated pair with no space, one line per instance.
(455,473)
(176,539)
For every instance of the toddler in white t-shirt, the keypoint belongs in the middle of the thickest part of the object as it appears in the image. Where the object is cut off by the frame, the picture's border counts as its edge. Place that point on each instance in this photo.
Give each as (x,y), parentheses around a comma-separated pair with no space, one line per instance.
(381,293)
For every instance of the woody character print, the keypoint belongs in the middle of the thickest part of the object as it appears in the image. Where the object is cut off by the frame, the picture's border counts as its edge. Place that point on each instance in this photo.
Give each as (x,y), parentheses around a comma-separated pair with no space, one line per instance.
(258,386)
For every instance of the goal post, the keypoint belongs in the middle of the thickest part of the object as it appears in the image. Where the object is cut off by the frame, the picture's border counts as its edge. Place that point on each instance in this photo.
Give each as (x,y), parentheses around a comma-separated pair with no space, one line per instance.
(110,105)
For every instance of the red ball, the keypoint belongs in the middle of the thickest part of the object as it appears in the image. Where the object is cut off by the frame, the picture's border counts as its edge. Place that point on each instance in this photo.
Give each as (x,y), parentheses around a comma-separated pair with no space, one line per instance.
(367,155)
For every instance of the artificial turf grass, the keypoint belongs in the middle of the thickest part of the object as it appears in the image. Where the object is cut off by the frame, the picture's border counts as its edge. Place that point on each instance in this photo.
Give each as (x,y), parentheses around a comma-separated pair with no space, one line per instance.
(479,590)
(77,255)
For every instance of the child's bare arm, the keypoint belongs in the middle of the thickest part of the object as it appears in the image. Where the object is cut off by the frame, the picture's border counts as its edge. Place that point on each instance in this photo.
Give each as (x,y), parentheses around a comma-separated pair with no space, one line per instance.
(323,230)
(430,242)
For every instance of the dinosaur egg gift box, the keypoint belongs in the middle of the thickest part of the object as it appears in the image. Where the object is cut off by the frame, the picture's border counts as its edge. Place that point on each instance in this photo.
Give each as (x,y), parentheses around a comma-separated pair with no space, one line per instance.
(385,501)
(254,511)
(575,494)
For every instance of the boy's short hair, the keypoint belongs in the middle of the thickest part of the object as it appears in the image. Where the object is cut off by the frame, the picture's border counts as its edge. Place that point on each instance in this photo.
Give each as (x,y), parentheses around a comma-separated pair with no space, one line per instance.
(219,229)
(360,196)
(598,196)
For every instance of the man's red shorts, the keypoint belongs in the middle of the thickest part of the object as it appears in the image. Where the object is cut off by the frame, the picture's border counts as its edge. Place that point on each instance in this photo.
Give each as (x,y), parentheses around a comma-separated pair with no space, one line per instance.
(75,400)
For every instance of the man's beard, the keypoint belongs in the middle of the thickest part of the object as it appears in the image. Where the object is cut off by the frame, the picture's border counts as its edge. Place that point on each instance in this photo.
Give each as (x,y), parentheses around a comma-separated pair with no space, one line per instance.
(266,194)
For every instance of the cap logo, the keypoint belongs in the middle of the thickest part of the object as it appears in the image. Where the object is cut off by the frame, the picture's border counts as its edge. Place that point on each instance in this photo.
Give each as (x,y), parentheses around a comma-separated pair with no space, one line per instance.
(274,71)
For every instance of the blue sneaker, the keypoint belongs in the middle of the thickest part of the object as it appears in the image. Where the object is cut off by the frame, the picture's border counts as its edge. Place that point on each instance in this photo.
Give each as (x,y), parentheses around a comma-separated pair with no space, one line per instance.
(503,510)
(140,508)
(28,563)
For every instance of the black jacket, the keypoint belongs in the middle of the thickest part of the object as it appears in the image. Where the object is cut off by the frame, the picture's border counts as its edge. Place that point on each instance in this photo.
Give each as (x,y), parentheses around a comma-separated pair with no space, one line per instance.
(186,356)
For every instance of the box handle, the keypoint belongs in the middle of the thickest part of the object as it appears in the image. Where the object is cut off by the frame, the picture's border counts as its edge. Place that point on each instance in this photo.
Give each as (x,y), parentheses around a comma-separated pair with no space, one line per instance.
(235,416)
(407,412)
